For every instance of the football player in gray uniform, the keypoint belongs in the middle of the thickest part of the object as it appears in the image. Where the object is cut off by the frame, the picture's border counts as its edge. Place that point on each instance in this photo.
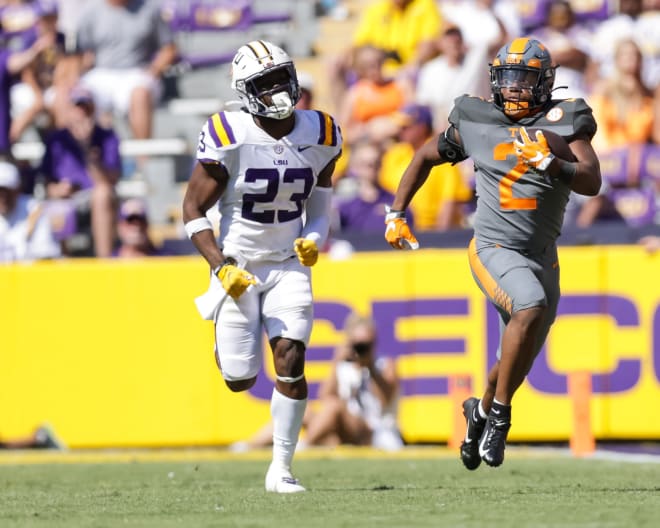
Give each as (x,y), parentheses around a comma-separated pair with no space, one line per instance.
(522,189)
(268,167)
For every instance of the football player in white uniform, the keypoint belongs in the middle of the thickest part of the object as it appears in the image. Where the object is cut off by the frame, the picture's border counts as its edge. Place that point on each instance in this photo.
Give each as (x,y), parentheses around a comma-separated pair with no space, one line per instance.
(269,168)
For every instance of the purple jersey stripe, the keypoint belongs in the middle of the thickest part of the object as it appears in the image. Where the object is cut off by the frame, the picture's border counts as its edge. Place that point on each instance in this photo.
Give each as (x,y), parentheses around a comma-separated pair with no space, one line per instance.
(334,133)
(322,127)
(228,130)
(213,133)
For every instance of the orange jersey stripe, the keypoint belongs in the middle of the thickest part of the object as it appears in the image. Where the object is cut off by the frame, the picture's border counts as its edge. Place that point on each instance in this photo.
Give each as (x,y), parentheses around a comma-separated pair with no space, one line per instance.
(328,130)
(487,281)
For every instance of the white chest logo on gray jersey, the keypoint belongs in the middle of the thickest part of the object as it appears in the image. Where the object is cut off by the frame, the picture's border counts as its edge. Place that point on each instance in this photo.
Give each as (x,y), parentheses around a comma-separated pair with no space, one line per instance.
(555,114)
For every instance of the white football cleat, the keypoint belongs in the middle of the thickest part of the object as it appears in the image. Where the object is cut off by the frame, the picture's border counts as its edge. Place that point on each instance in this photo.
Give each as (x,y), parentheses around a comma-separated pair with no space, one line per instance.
(279,480)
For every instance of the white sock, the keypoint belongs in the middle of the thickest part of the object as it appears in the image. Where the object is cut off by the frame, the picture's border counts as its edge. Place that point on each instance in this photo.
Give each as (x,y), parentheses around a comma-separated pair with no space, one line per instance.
(495,400)
(482,413)
(287,416)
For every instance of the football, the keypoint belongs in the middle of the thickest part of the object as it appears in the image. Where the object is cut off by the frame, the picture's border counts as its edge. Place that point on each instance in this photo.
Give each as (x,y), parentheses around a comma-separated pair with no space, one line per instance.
(557,143)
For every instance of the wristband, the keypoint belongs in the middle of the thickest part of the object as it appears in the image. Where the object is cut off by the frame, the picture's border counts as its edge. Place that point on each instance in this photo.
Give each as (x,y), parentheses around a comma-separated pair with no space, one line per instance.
(196,225)
(391,214)
(227,262)
(545,163)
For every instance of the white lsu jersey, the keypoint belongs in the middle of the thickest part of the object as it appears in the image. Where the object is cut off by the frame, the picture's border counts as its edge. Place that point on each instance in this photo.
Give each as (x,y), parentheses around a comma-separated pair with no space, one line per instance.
(270,180)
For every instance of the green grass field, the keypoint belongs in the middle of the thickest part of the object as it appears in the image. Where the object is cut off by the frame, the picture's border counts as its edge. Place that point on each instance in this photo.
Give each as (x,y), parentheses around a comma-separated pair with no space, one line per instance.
(346,488)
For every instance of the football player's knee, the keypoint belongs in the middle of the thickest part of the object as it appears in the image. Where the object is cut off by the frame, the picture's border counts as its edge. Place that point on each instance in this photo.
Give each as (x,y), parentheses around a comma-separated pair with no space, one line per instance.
(289,360)
(530,317)
(238,370)
(240,385)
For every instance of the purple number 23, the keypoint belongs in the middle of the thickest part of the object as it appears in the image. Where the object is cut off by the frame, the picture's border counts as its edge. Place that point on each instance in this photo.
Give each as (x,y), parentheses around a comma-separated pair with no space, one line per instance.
(272,177)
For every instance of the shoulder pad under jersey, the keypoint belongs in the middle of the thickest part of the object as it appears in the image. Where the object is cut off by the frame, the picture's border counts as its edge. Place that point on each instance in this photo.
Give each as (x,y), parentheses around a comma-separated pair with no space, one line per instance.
(472,108)
(571,118)
(223,129)
(321,126)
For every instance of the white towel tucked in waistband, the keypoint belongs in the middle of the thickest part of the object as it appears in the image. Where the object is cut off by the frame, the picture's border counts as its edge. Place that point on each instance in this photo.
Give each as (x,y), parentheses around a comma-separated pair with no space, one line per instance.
(209,303)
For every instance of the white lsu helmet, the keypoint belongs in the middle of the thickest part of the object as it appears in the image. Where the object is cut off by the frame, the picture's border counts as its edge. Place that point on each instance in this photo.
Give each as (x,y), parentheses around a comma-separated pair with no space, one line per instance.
(256,60)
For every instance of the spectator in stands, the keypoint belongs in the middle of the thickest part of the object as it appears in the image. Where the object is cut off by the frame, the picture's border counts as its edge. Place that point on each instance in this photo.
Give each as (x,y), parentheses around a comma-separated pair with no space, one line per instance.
(438,204)
(624,108)
(306,83)
(362,211)
(632,21)
(651,243)
(358,400)
(25,231)
(17,20)
(69,14)
(457,70)
(12,63)
(583,211)
(487,23)
(368,102)
(569,42)
(404,29)
(81,163)
(126,48)
(133,231)
(42,438)
(34,97)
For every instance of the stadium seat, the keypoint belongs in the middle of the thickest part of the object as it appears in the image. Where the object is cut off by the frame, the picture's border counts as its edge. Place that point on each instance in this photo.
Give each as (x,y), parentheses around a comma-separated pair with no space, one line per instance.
(649,170)
(636,206)
(614,166)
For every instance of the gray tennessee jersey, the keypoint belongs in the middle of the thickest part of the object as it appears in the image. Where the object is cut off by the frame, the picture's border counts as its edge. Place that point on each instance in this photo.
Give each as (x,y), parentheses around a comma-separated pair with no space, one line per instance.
(517,207)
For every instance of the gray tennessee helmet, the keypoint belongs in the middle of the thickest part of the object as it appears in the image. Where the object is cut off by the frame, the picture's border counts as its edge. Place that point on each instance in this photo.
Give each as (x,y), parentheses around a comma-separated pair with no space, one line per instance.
(526,64)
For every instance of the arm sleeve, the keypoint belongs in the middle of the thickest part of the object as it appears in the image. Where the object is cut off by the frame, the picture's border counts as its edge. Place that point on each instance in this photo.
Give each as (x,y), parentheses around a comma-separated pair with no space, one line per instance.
(317,223)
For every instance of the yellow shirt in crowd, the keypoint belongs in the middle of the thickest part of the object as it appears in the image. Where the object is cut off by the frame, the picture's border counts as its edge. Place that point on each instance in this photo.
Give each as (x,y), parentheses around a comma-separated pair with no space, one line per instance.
(444,184)
(386,26)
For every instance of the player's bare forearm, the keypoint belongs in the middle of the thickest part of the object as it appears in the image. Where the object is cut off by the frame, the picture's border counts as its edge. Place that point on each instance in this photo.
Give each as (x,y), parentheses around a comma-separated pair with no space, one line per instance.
(206,185)
(325,176)
(206,245)
(415,174)
(587,179)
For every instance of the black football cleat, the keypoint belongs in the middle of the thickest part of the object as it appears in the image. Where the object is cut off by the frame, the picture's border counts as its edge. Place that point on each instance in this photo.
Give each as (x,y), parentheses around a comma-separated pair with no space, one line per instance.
(493,441)
(475,426)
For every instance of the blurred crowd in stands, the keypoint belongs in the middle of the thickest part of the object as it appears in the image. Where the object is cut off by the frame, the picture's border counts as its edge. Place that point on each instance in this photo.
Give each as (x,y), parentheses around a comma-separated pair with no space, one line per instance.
(72,70)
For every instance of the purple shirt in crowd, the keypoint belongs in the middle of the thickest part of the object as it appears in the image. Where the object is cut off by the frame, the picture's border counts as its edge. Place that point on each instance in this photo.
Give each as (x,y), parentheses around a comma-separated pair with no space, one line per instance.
(64,159)
(5,118)
(356,215)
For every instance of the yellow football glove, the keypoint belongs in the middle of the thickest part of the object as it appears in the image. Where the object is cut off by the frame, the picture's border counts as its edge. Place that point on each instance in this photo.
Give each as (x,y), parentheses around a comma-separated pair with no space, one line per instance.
(397,232)
(306,250)
(234,279)
(535,154)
